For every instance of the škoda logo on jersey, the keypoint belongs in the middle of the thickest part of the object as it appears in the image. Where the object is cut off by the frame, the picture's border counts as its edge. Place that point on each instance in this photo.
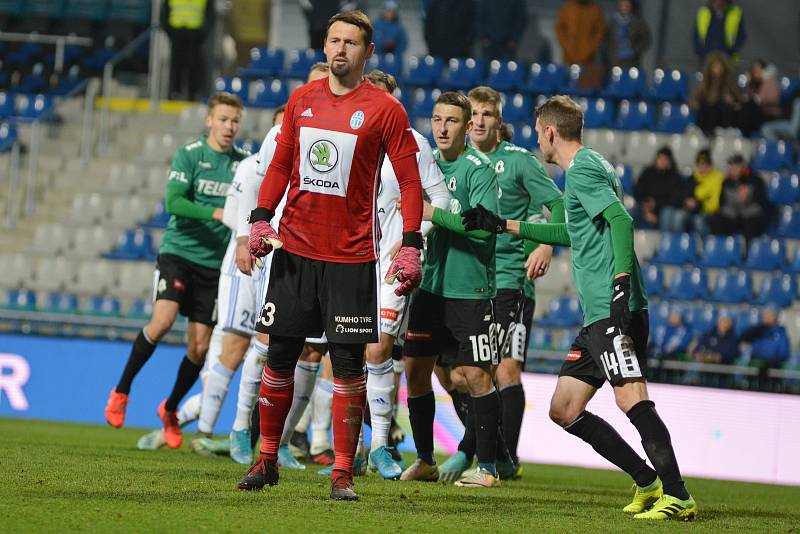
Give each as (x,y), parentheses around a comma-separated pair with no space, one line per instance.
(326,160)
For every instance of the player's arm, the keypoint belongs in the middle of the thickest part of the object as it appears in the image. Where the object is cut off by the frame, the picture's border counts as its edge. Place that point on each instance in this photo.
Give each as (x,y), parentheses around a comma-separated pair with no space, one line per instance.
(482,190)
(179,187)
(433,185)
(231,210)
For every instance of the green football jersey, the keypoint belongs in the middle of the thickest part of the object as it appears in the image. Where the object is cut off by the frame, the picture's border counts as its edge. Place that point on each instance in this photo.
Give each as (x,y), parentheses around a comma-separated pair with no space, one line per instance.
(201,175)
(458,266)
(592,185)
(523,188)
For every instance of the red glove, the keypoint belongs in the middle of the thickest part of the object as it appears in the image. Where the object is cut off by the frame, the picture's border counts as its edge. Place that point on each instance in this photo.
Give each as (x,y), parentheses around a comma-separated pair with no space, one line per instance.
(406,268)
(263,238)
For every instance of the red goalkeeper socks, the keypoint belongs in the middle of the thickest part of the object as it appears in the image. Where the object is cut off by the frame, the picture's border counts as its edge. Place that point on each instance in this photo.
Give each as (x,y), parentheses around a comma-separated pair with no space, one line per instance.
(274,401)
(349,399)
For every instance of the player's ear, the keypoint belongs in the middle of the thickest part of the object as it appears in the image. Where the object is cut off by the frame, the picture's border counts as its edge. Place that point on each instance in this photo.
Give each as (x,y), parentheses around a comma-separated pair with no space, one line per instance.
(208,120)
(370,50)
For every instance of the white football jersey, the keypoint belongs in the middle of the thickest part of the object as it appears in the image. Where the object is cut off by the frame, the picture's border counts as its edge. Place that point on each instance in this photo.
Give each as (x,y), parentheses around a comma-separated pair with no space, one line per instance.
(244,173)
(389,216)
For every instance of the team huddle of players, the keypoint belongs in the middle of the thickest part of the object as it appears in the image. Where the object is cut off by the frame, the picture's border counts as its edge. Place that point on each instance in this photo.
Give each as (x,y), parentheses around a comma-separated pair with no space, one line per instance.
(327,225)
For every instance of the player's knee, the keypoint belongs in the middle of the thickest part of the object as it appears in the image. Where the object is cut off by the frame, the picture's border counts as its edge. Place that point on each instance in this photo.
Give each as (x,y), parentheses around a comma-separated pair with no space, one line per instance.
(312,352)
(563,414)
(347,360)
(478,379)
(378,353)
(158,327)
(197,358)
(284,353)
(508,373)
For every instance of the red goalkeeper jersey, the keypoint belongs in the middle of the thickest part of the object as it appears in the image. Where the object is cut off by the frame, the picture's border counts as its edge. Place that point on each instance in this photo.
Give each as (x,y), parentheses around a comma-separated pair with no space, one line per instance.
(337,146)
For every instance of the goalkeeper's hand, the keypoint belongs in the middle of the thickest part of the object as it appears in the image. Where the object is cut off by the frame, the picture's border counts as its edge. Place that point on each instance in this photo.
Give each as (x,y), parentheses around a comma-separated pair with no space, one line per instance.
(263,238)
(406,266)
(620,296)
(479,218)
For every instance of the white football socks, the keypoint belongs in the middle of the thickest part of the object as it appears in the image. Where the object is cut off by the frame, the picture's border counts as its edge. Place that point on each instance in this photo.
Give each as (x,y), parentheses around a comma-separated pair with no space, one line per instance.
(322,401)
(249,383)
(380,392)
(189,411)
(215,388)
(305,378)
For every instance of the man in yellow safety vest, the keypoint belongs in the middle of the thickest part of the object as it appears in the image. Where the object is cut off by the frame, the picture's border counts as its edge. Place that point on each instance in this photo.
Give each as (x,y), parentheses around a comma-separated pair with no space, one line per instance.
(719,25)
(187,22)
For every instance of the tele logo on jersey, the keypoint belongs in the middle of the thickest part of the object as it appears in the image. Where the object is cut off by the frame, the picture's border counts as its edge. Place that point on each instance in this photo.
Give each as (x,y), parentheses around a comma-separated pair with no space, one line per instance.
(325,161)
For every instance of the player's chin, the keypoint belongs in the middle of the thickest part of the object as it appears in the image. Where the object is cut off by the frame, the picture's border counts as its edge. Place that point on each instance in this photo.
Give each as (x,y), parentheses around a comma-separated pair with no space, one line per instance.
(340,69)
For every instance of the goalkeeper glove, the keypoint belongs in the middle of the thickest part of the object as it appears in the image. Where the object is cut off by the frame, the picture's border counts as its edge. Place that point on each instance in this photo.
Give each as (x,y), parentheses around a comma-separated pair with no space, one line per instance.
(406,266)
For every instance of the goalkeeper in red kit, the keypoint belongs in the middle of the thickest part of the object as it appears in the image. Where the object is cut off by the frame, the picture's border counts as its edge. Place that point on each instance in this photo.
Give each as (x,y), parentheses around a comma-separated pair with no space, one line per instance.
(334,136)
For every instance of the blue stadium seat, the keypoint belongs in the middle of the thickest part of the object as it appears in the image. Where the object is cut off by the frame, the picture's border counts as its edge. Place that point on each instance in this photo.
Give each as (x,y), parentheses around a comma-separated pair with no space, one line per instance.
(422,102)
(300,62)
(25,55)
(700,319)
(62,303)
(95,62)
(746,318)
(388,63)
(659,312)
(133,245)
(599,113)
(732,288)
(540,339)
(789,223)
(264,62)
(6,105)
(689,283)
(140,309)
(505,75)
(8,136)
(35,82)
(545,78)
(423,70)
(31,107)
(778,290)
(625,175)
(766,255)
(249,145)
(653,280)
(563,312)
(560,179)
(569,85)
(526,137)
(624,83)
(268,93)
(789,86)
(563,341)
(134,11)
(721,251)
(20,299)
(463,73)
(676,249)
(773,156)
(670,85)
(160,217)
(102,305)
(68,82)
(673,118)
(518,108)
(235,85)
(784,189)
(633,116)
(795,265)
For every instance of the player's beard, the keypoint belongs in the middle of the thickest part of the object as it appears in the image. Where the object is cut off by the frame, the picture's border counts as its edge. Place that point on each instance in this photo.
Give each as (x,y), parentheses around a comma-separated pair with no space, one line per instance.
(340,69)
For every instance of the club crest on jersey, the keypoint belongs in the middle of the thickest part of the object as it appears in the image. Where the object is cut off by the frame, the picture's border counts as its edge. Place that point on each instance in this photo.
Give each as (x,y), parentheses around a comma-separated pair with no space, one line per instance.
(499,167)
(323,156)
(356,120)
(451,183)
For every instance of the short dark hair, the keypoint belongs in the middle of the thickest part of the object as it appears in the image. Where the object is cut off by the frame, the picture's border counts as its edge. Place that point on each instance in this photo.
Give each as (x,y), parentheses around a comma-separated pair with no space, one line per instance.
(452,98)
(563,114)
(383,78)
(280,109)
(356,18)
(486,95)
(224,98)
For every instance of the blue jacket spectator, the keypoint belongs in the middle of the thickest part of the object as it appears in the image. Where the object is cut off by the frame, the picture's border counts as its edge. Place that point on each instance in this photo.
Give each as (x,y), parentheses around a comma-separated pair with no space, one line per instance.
(388,34)
(769,341)
(627,35)
(718,345)
(676,338)
(719,26)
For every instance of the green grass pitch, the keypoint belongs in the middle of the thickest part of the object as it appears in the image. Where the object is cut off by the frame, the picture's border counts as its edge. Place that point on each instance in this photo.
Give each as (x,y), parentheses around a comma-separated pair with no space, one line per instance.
(66,478)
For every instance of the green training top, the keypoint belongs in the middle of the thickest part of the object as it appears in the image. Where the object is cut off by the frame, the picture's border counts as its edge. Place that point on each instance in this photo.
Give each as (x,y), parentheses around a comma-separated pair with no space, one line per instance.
(523,188)
(457,265)
(592,186)
(198,183)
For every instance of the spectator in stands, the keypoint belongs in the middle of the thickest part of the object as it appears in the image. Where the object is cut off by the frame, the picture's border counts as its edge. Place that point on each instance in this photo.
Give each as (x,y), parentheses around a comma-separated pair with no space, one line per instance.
(388,34)
(719,26)
(718,345)
(764,91)
(628,35)
(785,129)
(705,187)
(187,23)
(501,27)
(450,28)
(580,28)
(659,195)
(676,338)
(768,341)
(743,204)
(716,99)
(317,13)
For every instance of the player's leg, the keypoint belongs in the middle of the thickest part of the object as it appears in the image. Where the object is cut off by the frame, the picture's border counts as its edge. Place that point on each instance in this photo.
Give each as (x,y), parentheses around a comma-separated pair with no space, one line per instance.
(424,338)
(240,437)
(579,379)
(456,389)
(451,469)
(626,367)
(305,378)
